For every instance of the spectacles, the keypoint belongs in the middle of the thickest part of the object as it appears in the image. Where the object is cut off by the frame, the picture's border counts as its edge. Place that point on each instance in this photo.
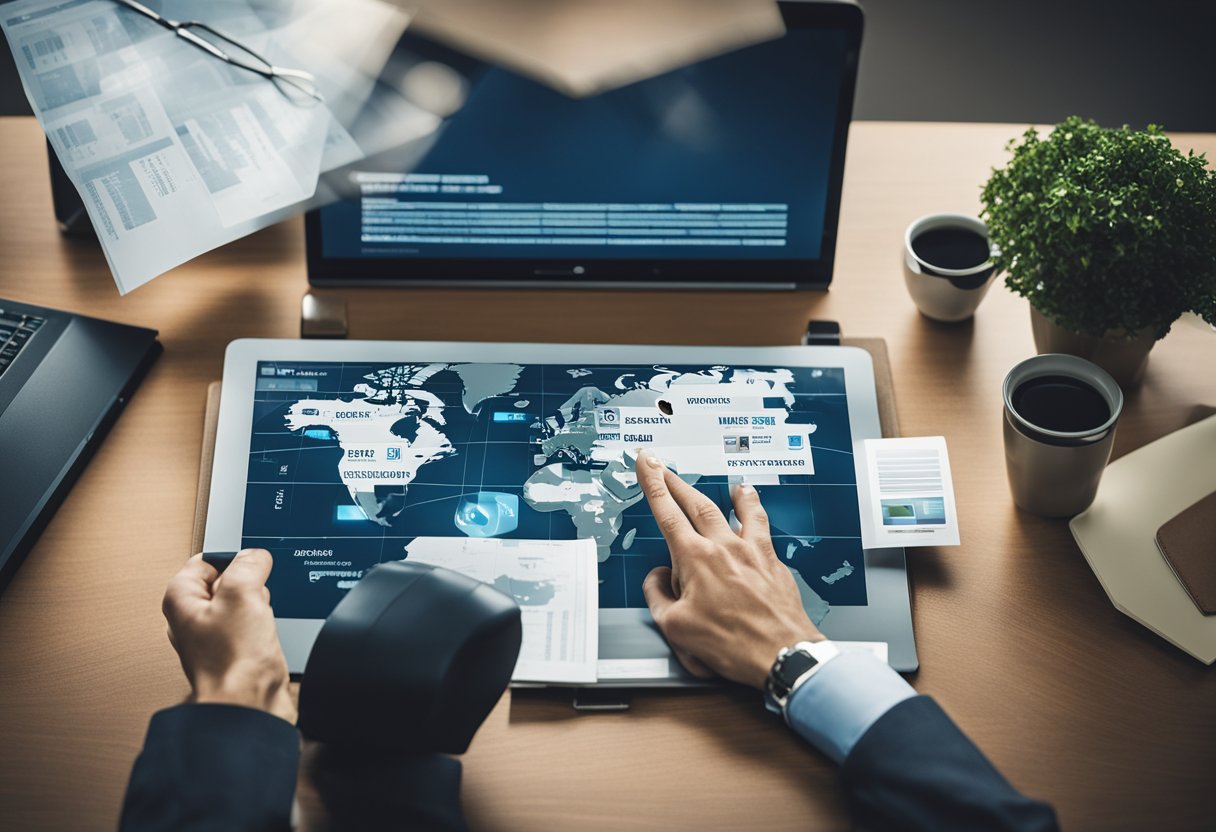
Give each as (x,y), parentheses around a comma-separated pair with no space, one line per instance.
(231,51)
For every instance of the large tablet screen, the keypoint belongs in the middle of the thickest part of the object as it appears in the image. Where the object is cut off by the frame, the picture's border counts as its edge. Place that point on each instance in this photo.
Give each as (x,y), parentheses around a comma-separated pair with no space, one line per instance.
(349,462)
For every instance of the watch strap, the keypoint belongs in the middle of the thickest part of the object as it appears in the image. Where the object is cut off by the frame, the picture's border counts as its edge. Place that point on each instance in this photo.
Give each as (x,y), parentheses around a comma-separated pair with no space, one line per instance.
(779,687)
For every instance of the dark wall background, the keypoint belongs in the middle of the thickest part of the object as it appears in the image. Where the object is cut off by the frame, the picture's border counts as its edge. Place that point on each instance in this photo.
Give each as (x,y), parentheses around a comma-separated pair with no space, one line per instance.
(1117,61)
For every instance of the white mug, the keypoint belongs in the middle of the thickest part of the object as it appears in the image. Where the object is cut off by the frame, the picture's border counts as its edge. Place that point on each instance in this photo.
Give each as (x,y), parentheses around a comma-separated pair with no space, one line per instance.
(946,294)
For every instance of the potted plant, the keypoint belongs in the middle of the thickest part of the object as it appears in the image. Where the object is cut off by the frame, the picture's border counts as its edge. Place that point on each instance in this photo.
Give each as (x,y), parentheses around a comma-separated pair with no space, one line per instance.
(1110,234)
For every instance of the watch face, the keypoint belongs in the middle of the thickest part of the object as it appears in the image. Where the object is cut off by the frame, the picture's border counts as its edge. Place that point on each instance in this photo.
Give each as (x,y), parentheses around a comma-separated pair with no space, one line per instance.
(795,664)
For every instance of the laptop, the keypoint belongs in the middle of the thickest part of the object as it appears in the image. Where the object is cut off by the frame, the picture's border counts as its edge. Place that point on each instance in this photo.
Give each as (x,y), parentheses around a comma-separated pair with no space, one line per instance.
(64,379)
(723,174)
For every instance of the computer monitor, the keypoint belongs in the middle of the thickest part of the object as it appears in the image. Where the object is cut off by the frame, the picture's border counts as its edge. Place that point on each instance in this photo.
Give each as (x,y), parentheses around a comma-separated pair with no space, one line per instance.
(723,174)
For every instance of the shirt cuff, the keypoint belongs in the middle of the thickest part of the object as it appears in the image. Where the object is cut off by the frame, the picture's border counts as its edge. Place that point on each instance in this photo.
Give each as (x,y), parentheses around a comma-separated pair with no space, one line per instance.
(834,707)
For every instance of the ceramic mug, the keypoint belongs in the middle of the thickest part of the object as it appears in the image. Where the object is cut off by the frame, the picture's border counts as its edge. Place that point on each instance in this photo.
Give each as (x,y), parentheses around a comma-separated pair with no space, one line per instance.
(948,290)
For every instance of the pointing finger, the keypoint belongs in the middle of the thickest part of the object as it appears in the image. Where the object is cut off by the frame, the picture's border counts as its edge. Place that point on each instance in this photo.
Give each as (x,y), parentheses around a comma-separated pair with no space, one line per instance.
(672,522)
(704,513)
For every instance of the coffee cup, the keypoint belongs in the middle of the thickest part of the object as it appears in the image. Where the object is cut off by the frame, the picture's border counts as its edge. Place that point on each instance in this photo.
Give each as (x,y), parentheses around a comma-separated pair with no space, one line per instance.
(948,265)
(1060,418)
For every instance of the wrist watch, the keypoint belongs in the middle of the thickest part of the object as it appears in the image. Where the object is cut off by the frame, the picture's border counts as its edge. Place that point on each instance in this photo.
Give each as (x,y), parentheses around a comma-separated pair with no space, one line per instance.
(793,667)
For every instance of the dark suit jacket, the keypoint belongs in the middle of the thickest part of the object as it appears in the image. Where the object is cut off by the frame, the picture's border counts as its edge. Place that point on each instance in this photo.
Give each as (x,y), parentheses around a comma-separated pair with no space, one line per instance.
(915,770)
(213,767)
(220,767)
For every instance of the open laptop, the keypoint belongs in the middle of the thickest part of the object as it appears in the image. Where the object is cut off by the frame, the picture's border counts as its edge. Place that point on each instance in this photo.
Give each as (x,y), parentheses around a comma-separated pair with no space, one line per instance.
(723,174)
(63,381)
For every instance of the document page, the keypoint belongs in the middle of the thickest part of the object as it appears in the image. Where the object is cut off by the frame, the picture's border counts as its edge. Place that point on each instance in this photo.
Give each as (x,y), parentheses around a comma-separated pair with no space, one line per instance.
(168,146)
(907,497)
(175,152)
(555,583)
(590,46)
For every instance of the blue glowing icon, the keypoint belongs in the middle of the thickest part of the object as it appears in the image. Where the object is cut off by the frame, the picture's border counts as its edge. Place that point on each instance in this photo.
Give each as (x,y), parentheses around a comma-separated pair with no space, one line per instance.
(346,514)
(487,514)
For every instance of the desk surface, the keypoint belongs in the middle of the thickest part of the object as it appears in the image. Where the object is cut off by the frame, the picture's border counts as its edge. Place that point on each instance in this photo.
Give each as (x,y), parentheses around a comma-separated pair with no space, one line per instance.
(1074,702)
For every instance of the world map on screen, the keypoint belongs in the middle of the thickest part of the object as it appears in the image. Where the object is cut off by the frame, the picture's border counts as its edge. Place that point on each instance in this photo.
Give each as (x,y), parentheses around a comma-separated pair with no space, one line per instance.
(349,462)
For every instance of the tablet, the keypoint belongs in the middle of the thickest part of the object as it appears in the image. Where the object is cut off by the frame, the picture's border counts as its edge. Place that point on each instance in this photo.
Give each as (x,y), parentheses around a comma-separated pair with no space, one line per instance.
(335,455)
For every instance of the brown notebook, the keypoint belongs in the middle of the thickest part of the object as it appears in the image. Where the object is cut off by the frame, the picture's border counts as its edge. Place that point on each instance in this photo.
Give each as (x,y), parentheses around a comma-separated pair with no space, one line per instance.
(1188,543)
(876,347)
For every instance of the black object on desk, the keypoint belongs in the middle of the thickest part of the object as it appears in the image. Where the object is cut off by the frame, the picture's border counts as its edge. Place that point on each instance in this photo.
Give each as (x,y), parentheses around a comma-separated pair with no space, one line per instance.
(70,212)
(821,334)
(63,381)
(412,659)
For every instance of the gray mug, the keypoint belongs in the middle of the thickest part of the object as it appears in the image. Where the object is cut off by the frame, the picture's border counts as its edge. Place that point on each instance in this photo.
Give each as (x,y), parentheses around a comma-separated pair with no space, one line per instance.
(1058,433)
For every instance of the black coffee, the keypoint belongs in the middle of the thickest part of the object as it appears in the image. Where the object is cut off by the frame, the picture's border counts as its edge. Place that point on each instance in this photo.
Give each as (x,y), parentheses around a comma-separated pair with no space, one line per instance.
(951,248)
(1060,403)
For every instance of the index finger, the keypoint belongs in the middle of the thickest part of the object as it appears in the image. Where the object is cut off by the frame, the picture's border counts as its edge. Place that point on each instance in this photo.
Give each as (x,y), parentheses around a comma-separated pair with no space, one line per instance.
(673,523)
(704,513)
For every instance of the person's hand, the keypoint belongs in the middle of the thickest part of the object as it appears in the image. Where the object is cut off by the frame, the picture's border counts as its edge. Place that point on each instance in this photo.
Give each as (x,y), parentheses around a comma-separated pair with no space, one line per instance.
(223,630)
(727,604)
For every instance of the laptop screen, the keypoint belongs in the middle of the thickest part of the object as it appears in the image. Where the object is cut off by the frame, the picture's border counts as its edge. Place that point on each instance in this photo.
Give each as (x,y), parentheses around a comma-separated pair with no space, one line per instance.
(731,162)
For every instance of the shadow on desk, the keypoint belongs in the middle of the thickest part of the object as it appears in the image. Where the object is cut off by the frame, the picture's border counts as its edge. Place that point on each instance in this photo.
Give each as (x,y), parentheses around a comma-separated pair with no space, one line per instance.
(356,788)
(751,734)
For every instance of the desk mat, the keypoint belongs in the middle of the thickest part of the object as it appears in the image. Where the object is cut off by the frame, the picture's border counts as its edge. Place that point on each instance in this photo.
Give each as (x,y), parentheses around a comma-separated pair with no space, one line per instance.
(876,347)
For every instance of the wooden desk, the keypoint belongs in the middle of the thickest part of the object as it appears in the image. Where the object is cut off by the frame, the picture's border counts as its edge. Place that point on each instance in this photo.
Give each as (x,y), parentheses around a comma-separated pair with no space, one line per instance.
(1074,702)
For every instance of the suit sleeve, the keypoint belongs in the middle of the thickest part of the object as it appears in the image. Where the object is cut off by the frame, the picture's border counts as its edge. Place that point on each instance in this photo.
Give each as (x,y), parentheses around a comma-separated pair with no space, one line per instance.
(915,770)
(213,767)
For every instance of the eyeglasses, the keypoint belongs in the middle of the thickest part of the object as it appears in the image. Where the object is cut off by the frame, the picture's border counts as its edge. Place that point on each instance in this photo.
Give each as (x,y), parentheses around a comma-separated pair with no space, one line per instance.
(230,51)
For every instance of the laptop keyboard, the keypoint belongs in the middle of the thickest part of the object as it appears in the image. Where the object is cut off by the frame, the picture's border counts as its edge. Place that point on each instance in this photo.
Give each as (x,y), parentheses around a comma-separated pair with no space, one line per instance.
(16,330)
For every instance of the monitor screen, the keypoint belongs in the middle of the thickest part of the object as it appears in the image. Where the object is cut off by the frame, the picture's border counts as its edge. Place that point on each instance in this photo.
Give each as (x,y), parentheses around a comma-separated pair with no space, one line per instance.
(731,162)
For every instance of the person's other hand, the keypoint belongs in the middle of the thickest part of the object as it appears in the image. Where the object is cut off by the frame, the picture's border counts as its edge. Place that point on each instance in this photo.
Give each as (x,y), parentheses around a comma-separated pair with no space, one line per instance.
(727,604)
(223,630)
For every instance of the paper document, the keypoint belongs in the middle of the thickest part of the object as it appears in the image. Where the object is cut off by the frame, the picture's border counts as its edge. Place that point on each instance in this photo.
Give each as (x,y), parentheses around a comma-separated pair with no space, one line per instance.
(907,495)
(175,152)
(585,47)
(555,583)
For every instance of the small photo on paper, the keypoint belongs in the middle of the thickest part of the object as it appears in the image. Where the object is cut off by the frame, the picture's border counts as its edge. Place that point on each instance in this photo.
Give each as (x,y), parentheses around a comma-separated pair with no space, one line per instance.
(914,512)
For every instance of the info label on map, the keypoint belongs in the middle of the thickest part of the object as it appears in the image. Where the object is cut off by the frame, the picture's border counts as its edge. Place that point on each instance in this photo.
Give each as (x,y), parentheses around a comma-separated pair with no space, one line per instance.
(722,429)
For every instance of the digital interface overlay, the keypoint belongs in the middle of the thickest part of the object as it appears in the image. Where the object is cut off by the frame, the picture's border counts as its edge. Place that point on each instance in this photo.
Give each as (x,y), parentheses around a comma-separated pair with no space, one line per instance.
(350,462)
